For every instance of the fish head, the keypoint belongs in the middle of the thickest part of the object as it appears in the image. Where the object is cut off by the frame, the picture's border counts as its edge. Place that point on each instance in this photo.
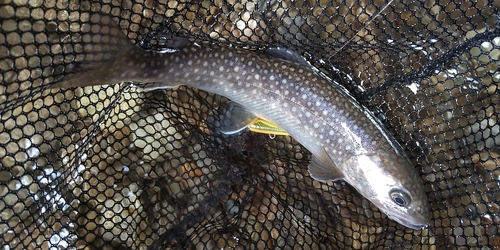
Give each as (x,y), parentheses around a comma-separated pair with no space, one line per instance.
(391,183)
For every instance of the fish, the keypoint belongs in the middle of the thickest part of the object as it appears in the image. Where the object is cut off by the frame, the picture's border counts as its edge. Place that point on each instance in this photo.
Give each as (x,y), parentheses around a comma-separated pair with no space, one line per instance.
(346,140)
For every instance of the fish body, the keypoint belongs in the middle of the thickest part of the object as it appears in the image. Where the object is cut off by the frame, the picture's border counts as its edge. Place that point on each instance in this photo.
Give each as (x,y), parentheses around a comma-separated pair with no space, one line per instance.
(345,139)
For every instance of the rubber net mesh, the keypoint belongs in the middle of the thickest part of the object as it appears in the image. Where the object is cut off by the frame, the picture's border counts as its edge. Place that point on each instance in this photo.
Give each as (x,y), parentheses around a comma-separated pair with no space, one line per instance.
(108,167)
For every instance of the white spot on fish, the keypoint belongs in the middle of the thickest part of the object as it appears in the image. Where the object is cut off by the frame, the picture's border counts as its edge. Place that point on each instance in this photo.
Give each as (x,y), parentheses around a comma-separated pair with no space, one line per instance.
(221,68)
(257,77)
(205,63)
(272,78)
(236,69)
(190,63)
(304,96)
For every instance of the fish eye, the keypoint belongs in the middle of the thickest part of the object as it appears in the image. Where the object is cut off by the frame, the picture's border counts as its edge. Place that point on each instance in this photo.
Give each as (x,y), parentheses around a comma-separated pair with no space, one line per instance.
(400,197)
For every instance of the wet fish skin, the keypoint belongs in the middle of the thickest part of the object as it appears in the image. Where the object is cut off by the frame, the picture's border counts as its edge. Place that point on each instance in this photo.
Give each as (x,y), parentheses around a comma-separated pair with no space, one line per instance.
(345,139)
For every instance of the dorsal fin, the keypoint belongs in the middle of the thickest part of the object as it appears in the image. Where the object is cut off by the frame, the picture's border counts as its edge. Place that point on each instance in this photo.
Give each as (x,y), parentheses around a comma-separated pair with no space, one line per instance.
(287,54)
(178,42)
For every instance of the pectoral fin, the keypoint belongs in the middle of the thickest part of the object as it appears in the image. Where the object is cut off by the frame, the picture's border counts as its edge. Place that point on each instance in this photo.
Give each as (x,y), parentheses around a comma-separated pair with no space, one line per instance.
(323,169)
(235,118)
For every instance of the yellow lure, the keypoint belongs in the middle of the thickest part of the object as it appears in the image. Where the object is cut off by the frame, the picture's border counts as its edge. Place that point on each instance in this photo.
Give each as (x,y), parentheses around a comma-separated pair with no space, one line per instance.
(266,127)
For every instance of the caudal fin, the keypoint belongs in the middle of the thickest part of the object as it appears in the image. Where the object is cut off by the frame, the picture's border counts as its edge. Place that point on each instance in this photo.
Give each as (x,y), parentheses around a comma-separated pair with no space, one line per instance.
(104,47)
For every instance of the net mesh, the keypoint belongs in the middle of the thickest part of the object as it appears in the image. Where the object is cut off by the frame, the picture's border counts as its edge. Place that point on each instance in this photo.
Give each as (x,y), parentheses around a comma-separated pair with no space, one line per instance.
(107,167)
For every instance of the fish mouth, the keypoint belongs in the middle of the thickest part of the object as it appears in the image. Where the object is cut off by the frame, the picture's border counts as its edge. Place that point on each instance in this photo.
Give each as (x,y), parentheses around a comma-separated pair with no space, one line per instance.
(417,227)
(409,224)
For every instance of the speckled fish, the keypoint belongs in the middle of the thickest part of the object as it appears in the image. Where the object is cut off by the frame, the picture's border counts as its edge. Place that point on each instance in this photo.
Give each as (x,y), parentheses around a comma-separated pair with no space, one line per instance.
(278,85)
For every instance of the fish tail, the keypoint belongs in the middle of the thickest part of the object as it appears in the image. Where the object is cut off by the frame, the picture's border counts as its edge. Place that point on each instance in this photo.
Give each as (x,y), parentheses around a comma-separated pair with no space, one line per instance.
(104,50)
